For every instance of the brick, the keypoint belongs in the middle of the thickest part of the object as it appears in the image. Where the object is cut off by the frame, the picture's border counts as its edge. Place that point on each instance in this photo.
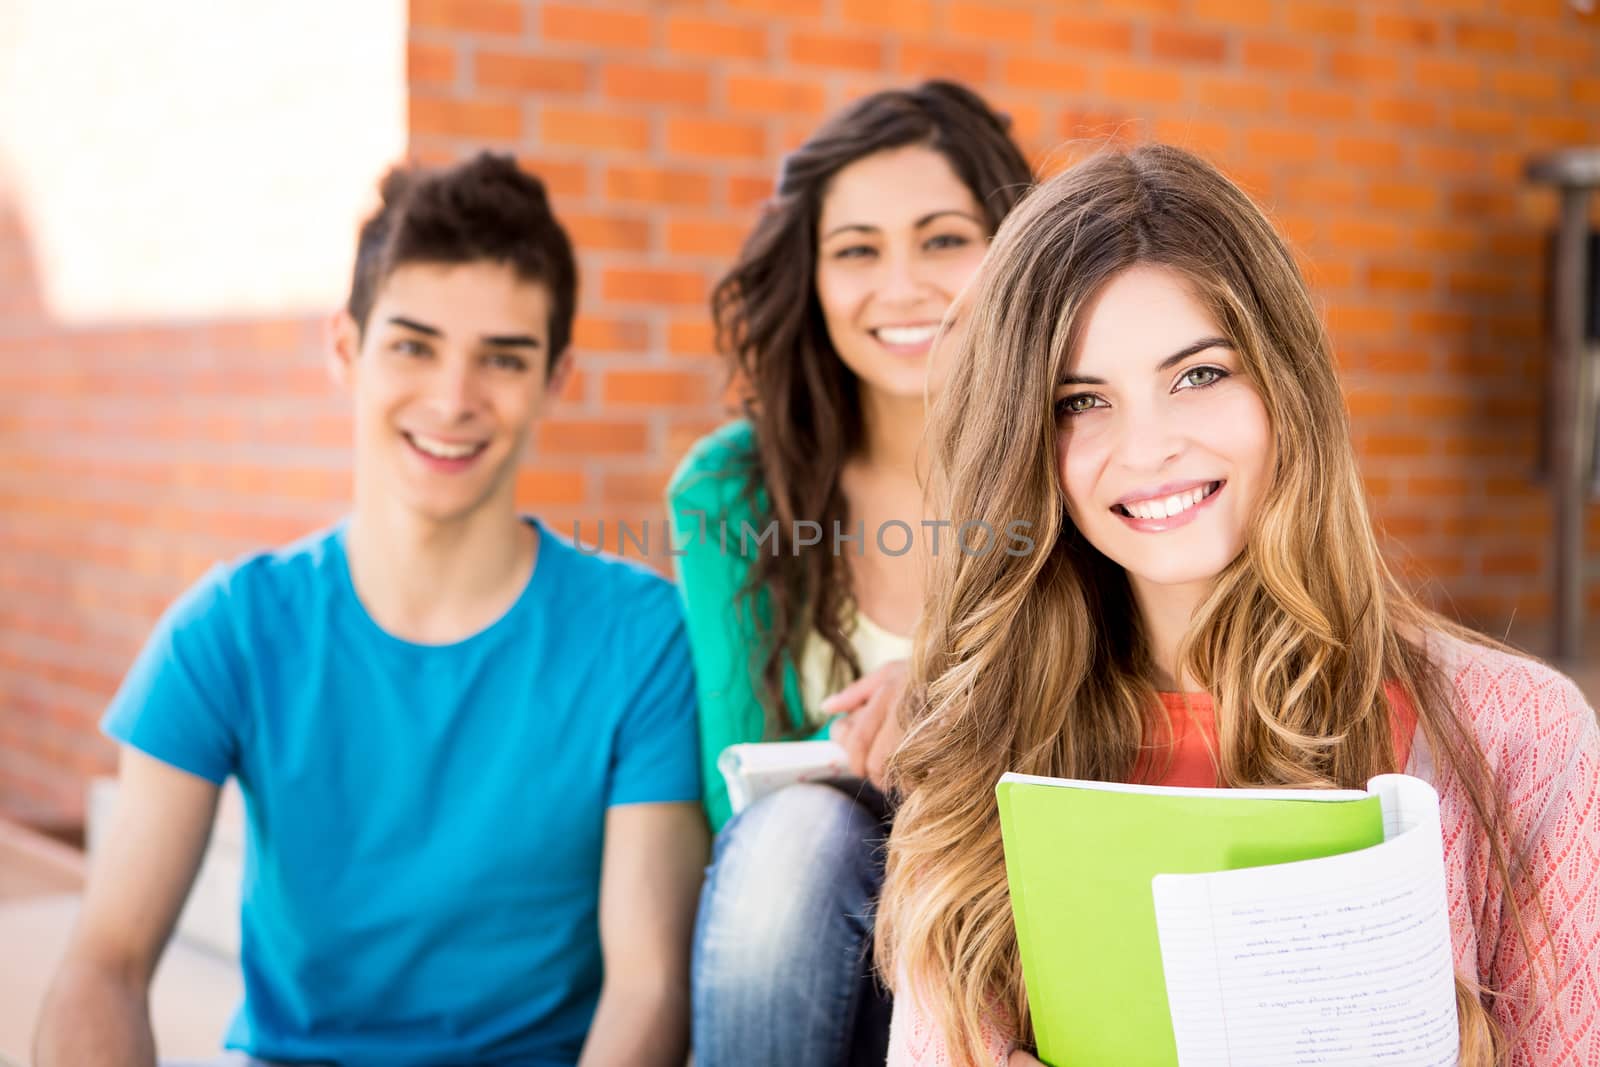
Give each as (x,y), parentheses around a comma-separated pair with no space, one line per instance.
(1236,94)
(1154,9)
(650,286)
(775,96)
(746,191)
(1413,198)
(473,119)
(836,51)
(592,333)
(1187,46)
(1485,121)
(1485,37)
(1093,34)
(1586,91)
(900,16)
(1382,152)
(1215,140)
(503,17)
(584,437)
(610,233)
(1397,278)
(430,64)
(1285,143)
(1323,105)
(594,128)
(1578,50)
(593,24)
(1404,30)
(1528,85)
(656,84)
(563,178)
(705,237)
(1405,111)
(1563,130)
(692,337)
(521,73)
(664,388)
(1099,125)
(1376,68)
(1322,19)
(1044,75)
(1002,24)
(1455,75)
(710,38)
(718,138)
(780,8)
(1142,84)
(657,185)
(536,485)
(928,59)
(1278,55)
(1245,14)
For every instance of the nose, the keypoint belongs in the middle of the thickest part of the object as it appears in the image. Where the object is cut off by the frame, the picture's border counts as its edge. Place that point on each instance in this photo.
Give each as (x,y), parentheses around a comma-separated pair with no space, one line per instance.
(1149,438)
(453,391)
(903,280)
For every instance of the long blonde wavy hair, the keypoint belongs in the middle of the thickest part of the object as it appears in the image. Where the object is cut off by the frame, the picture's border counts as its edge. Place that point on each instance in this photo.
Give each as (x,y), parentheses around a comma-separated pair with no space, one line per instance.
(1036,662)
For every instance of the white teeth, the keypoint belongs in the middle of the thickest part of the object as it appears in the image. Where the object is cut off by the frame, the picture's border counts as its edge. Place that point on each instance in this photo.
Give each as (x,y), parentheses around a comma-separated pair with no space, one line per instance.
(1169,506)
(442,449)
(905,335)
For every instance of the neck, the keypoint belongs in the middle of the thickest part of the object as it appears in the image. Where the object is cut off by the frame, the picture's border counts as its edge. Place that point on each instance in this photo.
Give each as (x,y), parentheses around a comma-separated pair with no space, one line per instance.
(892,432)
(1167,612)
(437,582)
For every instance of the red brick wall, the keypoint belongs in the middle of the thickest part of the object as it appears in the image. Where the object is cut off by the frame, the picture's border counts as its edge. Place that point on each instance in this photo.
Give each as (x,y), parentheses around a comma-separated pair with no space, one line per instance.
(1387,139)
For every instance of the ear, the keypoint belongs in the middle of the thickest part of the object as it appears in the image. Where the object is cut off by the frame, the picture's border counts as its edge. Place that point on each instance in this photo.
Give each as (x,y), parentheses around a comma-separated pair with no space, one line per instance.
(342,344)
(559,374)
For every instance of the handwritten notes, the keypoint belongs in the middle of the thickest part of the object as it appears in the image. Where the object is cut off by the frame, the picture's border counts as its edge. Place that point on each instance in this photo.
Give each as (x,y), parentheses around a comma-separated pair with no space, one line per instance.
(1341,960)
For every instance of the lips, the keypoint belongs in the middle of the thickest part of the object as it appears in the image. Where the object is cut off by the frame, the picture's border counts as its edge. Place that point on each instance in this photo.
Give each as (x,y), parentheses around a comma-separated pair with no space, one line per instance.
(447,451)
(905,336)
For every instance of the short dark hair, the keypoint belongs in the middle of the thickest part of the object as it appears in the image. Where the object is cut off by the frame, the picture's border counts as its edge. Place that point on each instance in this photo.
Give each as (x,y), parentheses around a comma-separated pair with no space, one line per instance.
(483,208)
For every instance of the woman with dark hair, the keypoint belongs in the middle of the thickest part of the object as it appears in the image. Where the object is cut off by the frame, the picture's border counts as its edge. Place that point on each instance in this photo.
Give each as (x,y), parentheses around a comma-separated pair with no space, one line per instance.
(798,572)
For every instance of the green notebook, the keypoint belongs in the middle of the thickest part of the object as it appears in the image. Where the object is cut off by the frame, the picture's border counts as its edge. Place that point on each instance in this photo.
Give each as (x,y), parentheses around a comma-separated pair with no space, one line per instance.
(1080,857)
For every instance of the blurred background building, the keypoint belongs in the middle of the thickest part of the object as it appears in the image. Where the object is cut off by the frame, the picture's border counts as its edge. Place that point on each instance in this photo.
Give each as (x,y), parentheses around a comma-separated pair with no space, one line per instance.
(180,184)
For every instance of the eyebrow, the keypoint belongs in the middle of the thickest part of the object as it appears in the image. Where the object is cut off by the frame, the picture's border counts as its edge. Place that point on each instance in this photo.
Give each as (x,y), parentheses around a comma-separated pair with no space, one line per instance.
(504,340)
(1166,364)
(919,224)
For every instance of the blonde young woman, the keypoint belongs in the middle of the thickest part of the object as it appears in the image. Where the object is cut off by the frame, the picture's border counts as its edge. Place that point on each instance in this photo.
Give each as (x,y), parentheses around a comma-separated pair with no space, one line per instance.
(1143,377)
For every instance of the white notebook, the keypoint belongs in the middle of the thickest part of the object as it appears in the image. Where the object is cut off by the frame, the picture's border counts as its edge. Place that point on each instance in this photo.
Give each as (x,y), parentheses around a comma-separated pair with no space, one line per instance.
(1341,960)
(754,770)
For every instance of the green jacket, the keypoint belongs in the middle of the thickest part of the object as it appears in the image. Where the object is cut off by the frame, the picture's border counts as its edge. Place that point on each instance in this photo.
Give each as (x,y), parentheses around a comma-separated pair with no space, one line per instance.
(722,634)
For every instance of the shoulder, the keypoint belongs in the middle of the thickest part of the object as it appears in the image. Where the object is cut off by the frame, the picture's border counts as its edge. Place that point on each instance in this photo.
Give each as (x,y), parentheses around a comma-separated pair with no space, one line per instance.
(261,583)
(1529,719)
(607,587)
(715,467)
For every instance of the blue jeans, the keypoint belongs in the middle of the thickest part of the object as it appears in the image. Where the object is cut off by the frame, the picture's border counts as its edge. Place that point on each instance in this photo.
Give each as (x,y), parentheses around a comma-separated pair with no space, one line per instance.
(783,944)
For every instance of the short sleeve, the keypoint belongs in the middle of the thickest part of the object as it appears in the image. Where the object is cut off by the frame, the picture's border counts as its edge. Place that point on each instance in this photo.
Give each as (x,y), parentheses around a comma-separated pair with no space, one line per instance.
(182,701)
(656,758)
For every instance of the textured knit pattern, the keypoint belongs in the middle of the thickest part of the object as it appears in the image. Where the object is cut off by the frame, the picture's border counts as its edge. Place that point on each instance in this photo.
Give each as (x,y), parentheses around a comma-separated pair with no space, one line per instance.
(1543,746)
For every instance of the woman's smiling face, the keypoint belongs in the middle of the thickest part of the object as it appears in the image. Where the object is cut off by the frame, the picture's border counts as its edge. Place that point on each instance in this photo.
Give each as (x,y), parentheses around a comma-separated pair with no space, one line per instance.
(1163,445)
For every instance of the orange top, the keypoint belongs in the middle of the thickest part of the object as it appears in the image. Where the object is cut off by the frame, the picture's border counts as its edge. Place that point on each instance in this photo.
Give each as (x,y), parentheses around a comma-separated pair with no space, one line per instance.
(1194,741)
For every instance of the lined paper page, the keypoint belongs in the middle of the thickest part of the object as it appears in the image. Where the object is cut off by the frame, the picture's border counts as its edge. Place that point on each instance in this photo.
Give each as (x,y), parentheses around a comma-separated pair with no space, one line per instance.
(1343,960)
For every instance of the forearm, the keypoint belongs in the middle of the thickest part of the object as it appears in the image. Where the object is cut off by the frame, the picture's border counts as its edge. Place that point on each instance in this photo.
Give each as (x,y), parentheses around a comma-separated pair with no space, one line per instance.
(638,1024)
(95,1016)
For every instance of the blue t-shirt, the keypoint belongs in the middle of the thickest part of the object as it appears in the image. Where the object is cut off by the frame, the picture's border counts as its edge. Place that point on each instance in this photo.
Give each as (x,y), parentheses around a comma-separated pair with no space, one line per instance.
(422,869)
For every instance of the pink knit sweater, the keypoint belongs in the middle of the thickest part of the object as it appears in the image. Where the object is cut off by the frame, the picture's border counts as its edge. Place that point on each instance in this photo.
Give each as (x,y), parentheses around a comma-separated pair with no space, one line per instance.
(1543,747)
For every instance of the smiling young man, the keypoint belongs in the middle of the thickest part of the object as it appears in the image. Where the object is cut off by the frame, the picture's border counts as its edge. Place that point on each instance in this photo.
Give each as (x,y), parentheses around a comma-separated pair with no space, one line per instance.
(468,751)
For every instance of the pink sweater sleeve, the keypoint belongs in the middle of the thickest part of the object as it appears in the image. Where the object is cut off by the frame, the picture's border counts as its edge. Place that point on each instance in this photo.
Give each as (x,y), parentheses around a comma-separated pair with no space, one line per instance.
(1543,742)
(914,1040)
